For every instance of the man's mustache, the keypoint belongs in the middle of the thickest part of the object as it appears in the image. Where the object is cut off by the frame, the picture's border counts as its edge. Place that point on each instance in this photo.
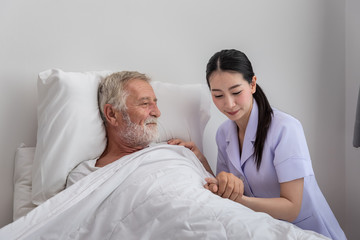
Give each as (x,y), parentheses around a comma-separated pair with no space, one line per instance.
(150,120)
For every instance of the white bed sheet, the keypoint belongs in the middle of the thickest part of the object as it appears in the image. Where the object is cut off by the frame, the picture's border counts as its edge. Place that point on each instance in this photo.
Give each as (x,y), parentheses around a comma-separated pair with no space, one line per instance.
(156,193)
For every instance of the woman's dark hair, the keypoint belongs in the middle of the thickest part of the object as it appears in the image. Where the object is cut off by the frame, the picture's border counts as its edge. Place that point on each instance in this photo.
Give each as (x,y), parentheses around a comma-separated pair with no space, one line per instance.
(235,61)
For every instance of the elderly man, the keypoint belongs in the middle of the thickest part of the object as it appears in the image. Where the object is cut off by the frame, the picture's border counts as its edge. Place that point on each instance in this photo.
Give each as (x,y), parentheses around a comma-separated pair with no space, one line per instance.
(128,108)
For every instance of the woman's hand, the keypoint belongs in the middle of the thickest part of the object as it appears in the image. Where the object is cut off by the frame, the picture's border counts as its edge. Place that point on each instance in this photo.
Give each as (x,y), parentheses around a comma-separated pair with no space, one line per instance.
(192,146)
(226,185)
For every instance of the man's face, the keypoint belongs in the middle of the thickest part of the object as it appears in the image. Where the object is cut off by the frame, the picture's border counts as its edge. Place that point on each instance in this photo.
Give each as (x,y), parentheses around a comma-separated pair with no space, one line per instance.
(141,102)
(140,118)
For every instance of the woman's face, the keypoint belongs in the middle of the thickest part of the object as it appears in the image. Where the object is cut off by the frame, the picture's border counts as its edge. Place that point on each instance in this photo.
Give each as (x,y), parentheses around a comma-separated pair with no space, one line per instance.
(232,94)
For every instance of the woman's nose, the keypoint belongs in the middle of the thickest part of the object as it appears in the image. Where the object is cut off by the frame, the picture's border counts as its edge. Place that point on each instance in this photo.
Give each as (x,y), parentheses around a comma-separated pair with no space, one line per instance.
(229,102)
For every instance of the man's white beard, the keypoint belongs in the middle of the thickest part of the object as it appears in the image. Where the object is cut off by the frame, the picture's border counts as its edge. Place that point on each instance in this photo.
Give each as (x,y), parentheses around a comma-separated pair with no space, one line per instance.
(136,135)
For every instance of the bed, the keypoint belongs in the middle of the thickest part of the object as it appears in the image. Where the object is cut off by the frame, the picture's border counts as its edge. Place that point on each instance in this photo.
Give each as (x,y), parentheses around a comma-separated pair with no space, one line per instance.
(156,193)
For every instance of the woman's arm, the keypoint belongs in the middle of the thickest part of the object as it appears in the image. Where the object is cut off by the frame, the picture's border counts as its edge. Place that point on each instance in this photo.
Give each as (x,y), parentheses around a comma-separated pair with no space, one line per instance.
(286,207)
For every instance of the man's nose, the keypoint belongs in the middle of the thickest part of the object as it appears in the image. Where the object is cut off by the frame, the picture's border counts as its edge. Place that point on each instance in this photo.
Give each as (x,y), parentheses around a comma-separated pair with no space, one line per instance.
(155,112)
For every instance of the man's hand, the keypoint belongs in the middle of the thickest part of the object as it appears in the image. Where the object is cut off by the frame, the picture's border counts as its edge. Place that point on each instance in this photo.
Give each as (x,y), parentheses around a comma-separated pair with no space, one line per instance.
(226,185)
(212,185)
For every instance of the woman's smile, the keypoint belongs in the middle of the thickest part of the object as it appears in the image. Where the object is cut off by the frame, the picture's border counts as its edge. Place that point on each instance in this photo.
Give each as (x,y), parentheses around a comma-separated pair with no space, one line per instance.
(233,113)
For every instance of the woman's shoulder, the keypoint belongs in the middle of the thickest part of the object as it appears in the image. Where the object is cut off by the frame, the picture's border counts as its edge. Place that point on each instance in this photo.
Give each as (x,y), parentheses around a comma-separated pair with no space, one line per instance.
(287,137)
(283,124)
(283,120)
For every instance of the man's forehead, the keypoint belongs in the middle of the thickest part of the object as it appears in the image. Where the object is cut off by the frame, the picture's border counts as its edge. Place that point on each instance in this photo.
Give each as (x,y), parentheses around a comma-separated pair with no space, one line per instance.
(140,89)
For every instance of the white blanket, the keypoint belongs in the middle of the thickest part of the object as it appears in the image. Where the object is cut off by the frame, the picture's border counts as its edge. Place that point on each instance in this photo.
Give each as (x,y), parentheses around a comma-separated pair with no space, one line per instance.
(156,193)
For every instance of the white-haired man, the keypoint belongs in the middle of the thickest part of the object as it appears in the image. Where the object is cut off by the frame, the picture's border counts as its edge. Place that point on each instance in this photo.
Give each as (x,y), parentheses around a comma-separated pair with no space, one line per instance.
(129,110)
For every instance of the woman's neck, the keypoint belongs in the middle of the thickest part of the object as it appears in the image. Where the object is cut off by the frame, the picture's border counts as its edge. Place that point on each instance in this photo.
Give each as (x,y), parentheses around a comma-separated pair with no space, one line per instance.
(243,122)
(242,125)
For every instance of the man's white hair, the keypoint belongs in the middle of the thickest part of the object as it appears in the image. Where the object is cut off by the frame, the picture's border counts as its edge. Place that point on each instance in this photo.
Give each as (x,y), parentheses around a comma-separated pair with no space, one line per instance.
(112,90)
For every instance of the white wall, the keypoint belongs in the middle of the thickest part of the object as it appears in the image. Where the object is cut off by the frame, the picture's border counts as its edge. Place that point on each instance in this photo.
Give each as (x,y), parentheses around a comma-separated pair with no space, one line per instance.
(297,49)
(352,89)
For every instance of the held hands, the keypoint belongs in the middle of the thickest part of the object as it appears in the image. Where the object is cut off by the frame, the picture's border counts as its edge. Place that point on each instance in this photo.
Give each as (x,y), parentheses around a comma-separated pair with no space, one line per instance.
(226,185)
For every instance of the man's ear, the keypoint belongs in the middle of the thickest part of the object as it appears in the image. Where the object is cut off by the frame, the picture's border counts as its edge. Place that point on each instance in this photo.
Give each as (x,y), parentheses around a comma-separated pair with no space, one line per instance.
(111,114)
(253,85)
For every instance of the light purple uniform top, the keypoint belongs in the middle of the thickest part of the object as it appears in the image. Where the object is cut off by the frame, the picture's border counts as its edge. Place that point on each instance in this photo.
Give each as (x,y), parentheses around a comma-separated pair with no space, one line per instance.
(285,158)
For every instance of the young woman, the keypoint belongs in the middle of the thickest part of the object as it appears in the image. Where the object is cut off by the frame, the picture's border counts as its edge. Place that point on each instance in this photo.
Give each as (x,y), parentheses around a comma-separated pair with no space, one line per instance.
(263,159)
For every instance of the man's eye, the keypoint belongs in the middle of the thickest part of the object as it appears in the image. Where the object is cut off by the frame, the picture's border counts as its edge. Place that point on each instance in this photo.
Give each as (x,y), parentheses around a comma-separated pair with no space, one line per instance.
(145,104)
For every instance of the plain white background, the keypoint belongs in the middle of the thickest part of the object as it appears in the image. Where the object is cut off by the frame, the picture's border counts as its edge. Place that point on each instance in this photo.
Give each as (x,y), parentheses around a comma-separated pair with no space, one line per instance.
(305,54)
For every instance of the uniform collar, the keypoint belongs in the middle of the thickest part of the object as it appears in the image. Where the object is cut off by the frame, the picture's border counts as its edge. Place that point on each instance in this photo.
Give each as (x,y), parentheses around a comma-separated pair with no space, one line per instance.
(232,139)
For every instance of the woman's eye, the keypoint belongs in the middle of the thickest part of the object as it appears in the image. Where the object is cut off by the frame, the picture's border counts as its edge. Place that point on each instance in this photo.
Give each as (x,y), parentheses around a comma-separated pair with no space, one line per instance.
(218,96)
(236,93)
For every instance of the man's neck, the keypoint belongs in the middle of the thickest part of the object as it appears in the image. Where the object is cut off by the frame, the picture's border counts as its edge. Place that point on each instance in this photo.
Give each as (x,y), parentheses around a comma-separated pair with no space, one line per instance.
(114,151)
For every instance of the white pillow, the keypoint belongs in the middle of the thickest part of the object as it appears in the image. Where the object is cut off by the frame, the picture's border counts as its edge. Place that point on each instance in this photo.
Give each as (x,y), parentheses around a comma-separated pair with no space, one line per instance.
(70,129)
(185,111)
(24,158)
